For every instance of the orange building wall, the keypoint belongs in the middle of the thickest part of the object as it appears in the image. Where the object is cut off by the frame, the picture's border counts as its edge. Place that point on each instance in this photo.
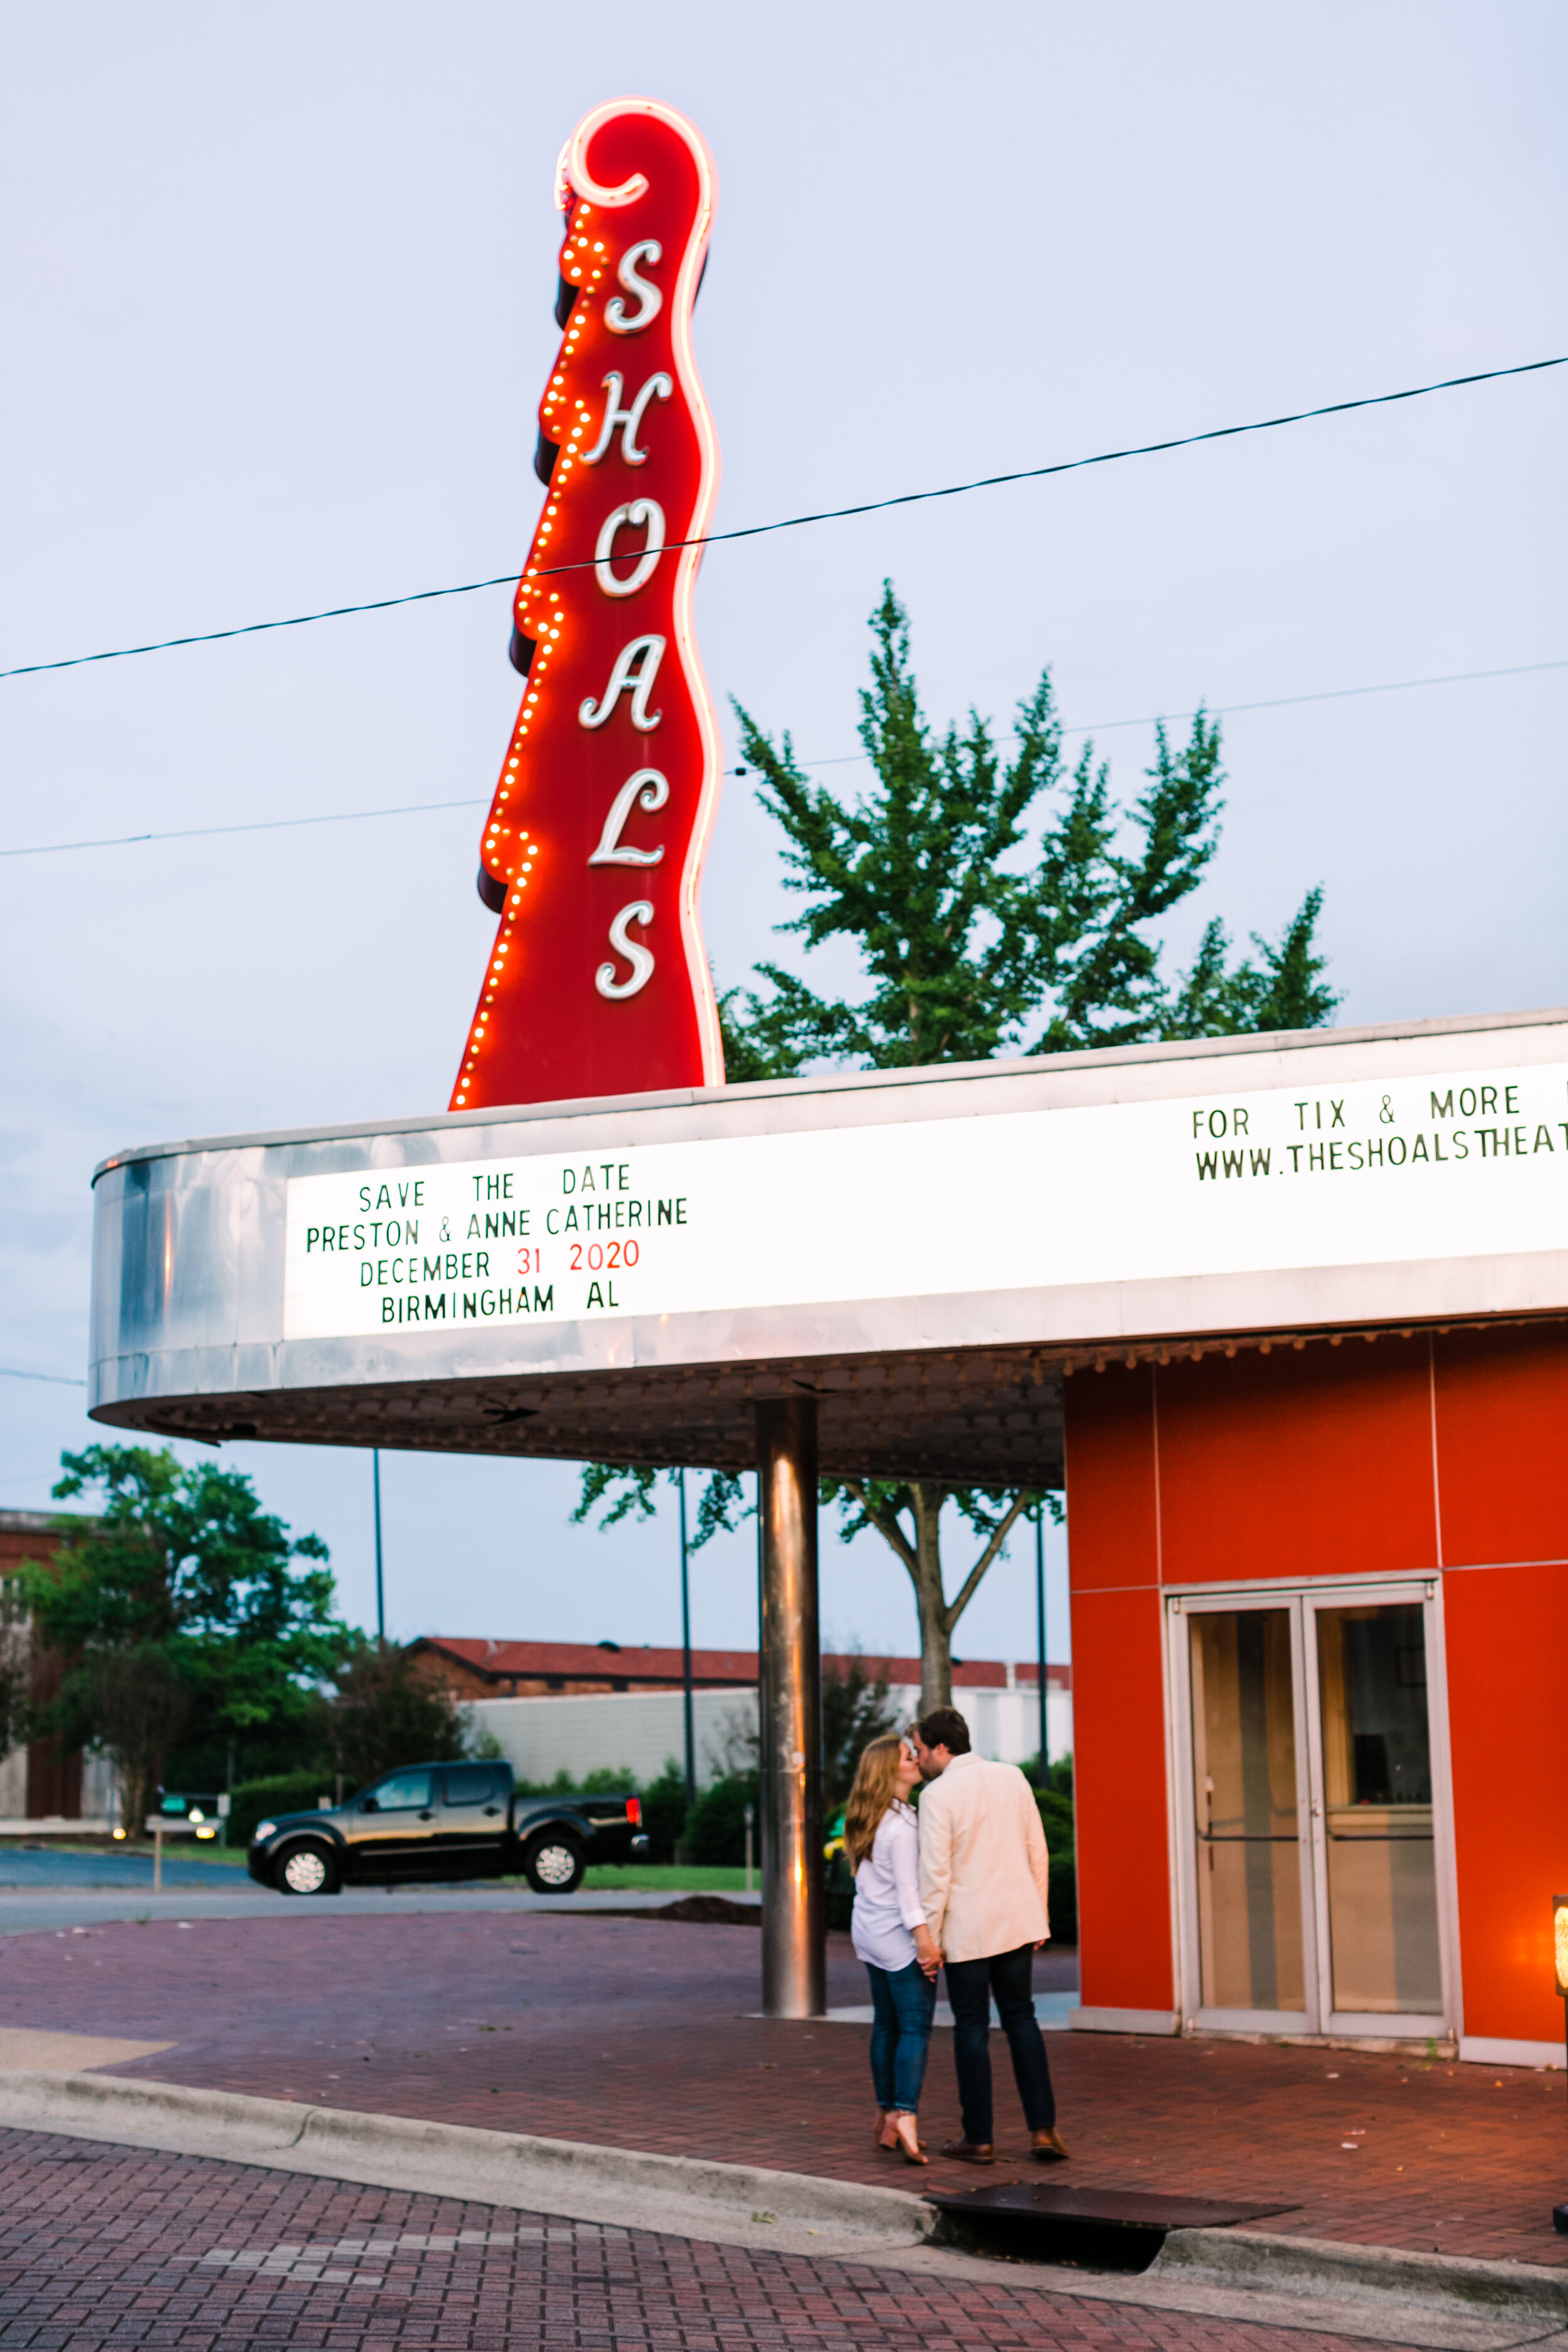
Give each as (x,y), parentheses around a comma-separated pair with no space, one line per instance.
(1448,1453)
(1502,1437)
(1502,1432)
(1125,1957)
(1507,1681)
(1315,1462)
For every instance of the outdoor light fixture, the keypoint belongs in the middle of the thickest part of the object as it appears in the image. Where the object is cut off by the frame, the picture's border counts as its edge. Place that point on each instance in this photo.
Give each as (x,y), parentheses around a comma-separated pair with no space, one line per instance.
(1560,1967)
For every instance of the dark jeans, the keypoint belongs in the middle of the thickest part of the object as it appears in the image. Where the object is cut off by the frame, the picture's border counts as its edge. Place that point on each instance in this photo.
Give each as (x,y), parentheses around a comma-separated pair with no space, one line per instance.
(903,2000)
(970,1985)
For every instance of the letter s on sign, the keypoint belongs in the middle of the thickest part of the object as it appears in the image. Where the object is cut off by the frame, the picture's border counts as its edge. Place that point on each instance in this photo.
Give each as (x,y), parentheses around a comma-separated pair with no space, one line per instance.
(636,955)
(648,293)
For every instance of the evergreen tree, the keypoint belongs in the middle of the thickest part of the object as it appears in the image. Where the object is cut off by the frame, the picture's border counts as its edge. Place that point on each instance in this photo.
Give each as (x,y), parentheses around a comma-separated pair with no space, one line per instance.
(999,907)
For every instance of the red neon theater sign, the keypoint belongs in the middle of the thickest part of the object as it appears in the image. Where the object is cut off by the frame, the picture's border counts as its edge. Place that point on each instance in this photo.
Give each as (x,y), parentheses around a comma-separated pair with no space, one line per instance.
(593,850)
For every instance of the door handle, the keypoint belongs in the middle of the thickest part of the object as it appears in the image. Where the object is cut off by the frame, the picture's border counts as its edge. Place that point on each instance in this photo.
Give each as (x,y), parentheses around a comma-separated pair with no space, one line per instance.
(426,1817)
(493,1812)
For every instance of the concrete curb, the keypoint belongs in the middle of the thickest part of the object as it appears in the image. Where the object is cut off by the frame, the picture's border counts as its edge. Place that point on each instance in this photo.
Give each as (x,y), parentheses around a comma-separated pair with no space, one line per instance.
(1381,2293)
(1320,2266)
(689,2197)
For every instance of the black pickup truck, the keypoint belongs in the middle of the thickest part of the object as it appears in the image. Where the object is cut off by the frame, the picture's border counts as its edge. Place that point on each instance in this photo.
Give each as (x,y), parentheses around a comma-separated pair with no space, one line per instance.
(430,1821)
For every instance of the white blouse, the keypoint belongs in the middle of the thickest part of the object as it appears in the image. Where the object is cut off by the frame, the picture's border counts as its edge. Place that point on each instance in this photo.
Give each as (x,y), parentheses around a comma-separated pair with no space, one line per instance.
(888,1893)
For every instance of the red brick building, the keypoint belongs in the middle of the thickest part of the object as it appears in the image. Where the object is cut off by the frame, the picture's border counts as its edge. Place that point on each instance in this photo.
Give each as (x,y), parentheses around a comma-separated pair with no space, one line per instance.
(49,1781)
(480,1669)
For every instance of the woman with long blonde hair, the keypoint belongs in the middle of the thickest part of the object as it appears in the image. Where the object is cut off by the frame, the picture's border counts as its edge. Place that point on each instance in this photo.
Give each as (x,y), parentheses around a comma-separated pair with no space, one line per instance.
(890,1935)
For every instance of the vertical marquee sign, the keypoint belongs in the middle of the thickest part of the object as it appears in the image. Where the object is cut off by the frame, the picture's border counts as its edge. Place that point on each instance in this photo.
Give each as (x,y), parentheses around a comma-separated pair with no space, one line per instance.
(592,851)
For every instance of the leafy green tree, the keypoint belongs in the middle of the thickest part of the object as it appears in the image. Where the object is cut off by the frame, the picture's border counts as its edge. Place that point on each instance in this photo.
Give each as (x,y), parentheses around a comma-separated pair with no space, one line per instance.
(184,1610)
(384,1712)
(998,906)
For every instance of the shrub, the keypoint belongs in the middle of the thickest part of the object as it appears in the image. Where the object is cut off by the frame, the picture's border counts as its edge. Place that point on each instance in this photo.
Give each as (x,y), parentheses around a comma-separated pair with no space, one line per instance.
(716,1825)
(287,1792)
(1055,1801)
(604,1780)
(663,1812)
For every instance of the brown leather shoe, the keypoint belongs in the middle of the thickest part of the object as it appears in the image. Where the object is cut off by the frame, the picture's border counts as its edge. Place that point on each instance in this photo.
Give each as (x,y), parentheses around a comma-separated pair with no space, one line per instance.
(968,2151)
(1047,2147)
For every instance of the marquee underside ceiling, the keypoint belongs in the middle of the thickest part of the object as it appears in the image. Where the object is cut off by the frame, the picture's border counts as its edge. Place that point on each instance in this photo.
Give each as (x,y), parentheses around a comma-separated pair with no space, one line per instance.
(971,1417)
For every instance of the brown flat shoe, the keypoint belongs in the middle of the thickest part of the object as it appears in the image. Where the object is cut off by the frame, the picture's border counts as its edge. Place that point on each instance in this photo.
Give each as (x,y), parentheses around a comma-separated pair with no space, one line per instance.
(968,2151)
(1046,2149)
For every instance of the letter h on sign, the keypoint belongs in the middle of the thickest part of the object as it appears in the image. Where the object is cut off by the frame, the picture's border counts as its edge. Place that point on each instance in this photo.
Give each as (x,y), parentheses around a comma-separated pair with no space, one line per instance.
(594,987)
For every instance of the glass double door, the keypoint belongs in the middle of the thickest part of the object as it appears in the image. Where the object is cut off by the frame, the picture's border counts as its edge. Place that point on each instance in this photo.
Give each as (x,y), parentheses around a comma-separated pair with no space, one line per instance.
(1314,1889)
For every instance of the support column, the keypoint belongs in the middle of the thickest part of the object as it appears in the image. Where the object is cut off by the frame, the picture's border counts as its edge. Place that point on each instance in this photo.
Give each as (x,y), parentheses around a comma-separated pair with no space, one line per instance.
(794,1973)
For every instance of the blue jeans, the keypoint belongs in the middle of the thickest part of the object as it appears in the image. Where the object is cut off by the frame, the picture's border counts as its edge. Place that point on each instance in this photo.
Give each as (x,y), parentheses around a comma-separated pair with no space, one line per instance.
(1009,1976)
(903,2000)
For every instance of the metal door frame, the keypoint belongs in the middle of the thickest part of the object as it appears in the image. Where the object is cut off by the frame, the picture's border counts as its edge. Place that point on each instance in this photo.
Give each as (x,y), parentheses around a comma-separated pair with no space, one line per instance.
(1302,1599)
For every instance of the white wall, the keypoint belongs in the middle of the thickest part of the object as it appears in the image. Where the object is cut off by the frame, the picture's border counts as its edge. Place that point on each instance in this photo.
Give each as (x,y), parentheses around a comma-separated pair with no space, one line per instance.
(1003,1724)
(638,1731)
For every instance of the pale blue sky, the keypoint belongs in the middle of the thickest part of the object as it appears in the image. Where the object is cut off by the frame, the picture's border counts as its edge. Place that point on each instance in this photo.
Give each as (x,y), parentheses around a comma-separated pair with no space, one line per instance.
(277,286)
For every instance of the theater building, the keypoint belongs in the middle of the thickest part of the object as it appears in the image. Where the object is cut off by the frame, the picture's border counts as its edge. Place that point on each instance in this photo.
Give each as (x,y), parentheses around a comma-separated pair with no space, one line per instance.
(1320,1641)
(1287,1315)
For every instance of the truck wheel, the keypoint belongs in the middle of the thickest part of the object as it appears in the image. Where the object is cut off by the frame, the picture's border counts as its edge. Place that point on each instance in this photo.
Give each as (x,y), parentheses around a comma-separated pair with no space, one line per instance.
(307,1868)
(552,1864)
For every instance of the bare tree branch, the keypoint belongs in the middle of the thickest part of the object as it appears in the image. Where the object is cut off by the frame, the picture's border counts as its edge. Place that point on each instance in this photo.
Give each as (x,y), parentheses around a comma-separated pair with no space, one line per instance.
(956,1607)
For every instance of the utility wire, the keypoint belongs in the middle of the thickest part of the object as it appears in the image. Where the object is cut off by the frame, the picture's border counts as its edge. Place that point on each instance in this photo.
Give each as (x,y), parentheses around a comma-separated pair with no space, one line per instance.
(834,760)
(1214,710)
(828,514)
(56,1380)
(258,824)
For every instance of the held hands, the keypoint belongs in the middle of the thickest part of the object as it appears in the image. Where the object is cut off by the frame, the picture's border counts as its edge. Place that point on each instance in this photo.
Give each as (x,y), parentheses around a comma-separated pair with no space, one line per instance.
(927,1951)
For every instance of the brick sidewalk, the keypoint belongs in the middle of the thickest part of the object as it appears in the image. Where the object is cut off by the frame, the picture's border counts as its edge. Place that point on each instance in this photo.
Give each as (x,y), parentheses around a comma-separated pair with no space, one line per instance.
(105,2247)
(634,2033)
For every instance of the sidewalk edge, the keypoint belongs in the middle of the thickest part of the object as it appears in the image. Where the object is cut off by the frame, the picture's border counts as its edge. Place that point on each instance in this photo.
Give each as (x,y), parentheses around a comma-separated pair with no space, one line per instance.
(690,2196)
(1281,2264)
(1245,2271)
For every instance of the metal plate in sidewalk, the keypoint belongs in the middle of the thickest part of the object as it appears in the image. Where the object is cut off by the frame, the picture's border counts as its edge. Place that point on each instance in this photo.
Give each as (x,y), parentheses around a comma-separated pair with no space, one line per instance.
(1126,2209)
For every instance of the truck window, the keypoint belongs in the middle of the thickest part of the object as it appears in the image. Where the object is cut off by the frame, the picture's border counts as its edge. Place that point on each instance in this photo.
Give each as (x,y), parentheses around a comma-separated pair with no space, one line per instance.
(403,1792)
(475,1784)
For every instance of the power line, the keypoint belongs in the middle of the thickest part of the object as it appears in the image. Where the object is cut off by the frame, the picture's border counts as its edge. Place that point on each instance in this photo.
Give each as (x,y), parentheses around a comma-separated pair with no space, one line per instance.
(834,760)
(258,824)
(828,514)
(56,1380)
(1228,709)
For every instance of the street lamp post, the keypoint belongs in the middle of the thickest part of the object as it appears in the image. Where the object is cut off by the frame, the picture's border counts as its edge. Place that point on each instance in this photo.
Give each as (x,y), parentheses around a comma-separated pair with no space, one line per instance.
(686,1655)
(380,1590)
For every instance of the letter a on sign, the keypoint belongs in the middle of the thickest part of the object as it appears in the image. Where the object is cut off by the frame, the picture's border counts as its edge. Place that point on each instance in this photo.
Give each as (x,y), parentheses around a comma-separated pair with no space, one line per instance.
(597,983)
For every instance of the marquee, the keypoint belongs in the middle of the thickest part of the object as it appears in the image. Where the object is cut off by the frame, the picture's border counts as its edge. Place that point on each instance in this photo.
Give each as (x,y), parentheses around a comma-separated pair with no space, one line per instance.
(929,1252)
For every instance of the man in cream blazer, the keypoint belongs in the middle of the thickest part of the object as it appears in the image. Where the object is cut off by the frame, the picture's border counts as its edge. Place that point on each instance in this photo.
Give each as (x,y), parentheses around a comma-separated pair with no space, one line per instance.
(985,1890)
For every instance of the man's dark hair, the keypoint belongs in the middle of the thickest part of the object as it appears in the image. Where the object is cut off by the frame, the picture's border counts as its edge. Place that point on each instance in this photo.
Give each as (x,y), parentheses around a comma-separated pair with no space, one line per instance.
(944,1727)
